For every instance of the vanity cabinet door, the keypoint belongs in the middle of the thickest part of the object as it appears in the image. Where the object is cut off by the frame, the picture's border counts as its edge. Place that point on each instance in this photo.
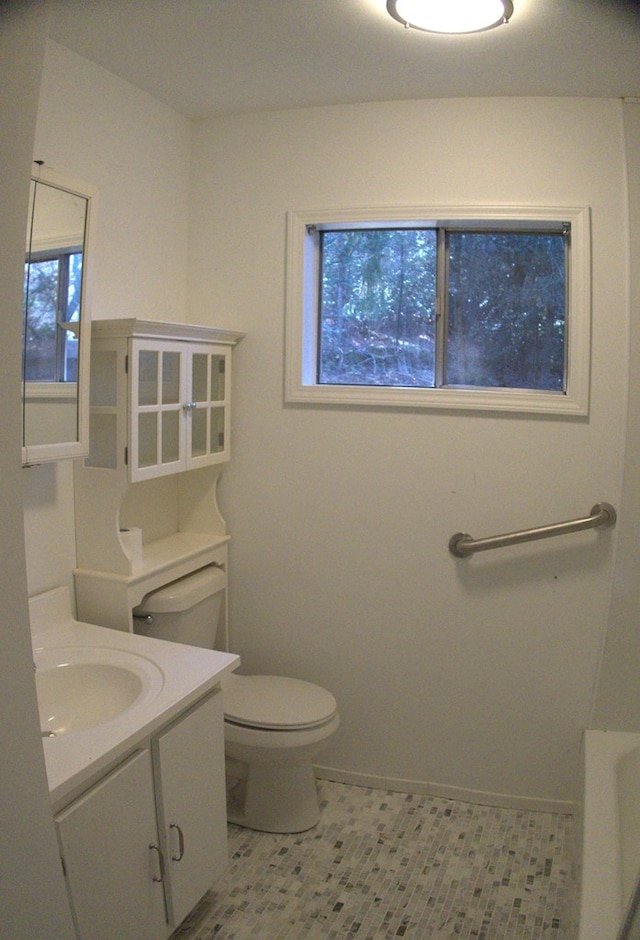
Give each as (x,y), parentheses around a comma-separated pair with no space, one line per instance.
(191,798)
(109,844)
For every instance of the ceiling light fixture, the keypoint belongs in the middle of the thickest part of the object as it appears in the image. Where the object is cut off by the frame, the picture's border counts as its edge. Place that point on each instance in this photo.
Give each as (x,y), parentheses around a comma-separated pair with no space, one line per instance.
(451,16)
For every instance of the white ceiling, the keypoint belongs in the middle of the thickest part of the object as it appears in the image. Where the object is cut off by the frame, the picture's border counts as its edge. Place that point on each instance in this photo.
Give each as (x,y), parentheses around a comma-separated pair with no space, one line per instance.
(215,57)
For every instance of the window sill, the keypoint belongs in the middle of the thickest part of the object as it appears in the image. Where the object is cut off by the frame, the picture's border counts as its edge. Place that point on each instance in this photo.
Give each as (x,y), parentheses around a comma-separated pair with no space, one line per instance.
(442,399)
(48,390)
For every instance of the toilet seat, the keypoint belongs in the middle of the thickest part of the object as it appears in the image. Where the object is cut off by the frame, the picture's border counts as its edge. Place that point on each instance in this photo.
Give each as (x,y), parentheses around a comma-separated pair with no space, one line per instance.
(276,703)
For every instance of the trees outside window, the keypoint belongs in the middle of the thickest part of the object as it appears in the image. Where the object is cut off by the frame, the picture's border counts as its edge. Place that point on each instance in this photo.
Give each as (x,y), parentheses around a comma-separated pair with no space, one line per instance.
(52,290)
(504,308)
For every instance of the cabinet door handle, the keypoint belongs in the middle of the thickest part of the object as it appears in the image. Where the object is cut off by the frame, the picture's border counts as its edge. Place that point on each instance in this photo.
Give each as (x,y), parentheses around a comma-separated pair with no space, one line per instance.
(160,875)
(179,856)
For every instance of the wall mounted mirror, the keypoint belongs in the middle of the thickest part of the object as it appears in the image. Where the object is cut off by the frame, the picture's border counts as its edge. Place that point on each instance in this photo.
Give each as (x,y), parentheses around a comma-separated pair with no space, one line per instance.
(56,323)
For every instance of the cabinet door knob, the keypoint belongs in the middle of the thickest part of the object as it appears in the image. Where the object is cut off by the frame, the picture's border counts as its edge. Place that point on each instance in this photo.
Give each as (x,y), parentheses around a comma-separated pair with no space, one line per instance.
(178,857)
(190,405)
(160,875)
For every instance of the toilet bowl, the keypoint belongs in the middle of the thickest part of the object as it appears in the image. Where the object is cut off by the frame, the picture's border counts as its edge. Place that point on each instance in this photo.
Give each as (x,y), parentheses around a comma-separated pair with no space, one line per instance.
(273,725)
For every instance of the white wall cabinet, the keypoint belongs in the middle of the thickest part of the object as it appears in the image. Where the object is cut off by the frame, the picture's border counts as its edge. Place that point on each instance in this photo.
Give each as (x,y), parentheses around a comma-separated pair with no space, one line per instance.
(160,412)
(160,397)
(143,845)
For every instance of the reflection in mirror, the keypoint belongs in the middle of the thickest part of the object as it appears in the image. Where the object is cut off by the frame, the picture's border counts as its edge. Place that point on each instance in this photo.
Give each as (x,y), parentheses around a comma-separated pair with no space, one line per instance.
(55,318)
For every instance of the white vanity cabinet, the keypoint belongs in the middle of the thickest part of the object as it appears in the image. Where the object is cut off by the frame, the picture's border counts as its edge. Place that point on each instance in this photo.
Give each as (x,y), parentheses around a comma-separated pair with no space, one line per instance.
(191,801)
(110,850)
(142,846)
(160,394)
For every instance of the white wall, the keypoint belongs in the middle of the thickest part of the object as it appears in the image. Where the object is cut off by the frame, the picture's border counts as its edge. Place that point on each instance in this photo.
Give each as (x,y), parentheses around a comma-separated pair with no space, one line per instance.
(479,673)
(617,706)
(136,151)
(33,901)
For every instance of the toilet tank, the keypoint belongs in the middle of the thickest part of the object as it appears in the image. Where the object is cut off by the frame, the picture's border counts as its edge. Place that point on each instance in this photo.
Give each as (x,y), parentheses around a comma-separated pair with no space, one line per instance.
(184,611)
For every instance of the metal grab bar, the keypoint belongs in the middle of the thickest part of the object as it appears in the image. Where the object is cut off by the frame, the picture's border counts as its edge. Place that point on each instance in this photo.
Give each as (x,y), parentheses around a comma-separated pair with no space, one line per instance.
(461,544)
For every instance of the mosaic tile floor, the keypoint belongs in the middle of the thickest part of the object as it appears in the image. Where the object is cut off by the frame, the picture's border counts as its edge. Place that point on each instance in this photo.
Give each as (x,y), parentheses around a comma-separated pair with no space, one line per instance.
(387,865)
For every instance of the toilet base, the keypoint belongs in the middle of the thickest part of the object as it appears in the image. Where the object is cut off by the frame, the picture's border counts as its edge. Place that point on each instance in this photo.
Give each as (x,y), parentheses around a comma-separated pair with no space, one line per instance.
(272,797)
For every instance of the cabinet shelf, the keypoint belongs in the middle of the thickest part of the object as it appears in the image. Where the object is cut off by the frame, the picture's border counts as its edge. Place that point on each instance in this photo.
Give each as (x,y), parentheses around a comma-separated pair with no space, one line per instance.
(179,548)
(104,596)
(189,550)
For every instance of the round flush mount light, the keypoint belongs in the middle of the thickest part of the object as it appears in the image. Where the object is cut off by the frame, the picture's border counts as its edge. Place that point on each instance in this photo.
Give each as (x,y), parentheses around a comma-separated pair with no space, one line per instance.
(451,16)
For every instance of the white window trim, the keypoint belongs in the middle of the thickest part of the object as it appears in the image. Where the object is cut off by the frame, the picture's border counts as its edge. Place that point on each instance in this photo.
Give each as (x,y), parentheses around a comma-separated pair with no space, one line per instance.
(45,390)
(302,299)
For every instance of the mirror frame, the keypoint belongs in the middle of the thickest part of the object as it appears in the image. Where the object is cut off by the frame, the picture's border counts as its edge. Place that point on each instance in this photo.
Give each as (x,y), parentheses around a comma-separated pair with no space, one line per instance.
(43,453)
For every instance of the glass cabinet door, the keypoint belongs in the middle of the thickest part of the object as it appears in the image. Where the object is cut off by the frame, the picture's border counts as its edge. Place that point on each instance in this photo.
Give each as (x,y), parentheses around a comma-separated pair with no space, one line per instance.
(180,407)
(207,405)
(156,378)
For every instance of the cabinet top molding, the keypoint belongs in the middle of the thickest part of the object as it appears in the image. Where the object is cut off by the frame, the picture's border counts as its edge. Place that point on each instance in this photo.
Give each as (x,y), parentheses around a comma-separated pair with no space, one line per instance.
(160,329)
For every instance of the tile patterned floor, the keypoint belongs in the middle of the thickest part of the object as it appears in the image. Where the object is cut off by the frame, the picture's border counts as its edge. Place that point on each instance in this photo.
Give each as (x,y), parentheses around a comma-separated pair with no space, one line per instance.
(383,865)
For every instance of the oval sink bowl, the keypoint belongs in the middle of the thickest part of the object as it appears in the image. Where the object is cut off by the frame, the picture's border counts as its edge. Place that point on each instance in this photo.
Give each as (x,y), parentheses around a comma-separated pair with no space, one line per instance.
(81,688)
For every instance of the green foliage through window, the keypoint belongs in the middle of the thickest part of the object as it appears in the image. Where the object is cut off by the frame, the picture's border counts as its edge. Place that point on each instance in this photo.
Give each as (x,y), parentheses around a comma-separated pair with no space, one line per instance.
(52,288)
(434,307)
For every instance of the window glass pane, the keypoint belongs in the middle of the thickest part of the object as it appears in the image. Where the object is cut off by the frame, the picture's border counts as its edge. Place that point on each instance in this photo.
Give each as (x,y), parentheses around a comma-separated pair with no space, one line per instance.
(377,307)
(217,430)
(103,441)
(52,292)
(147,377)
(217,378)
(506,296)
(71,314)
(147,439)
(41,289)
(104,370)
(199,377)
(170,378)
(198,418)
(170,436)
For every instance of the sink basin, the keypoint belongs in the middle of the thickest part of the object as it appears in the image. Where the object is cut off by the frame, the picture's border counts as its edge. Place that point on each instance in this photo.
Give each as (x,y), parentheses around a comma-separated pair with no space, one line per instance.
(82,687)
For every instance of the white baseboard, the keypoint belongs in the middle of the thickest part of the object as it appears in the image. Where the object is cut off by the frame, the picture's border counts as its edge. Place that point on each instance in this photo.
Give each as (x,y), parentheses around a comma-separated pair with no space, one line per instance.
(480,797)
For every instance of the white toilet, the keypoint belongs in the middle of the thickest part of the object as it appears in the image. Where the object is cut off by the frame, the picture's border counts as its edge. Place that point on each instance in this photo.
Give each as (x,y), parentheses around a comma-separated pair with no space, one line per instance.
(273,726)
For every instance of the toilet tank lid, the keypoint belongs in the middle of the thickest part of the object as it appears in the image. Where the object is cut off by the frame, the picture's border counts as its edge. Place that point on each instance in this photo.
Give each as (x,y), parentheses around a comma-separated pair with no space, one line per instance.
(185,592)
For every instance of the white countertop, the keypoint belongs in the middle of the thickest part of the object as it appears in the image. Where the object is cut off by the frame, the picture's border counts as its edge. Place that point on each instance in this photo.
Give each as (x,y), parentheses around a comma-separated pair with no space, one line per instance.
(75,759)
